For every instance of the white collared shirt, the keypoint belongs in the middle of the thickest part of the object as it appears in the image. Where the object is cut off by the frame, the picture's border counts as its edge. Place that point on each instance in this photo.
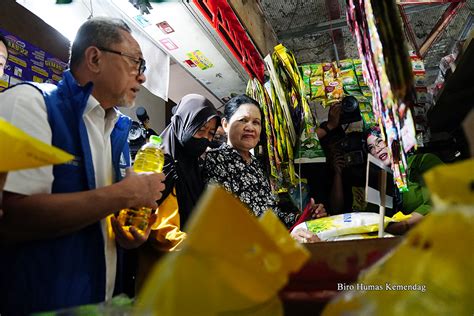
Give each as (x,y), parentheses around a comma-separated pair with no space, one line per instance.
(25,108)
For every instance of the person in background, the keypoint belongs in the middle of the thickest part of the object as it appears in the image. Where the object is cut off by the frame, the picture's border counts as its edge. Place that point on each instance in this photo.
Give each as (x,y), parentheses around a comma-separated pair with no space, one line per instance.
(64,252)
(234,167)
(417,200)
(3,54)
(185,139)
(143,117)
(219,138)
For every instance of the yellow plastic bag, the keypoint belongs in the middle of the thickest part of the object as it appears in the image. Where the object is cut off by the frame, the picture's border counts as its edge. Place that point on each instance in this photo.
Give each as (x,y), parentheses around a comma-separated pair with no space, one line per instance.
(327,228)
(451,183)
(21,151)
(231,263)
(430,273)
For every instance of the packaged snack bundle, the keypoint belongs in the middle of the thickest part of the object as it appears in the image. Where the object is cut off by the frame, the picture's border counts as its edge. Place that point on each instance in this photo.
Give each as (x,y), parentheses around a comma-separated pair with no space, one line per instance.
(366,91)
(346,64)
(349,79)
(358,67)
(328,73)
(334,91)
(316,70)
(317,87)
(349,223)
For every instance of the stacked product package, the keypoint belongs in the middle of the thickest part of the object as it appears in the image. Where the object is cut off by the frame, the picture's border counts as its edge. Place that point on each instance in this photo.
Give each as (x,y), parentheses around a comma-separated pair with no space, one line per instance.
(386,69)
(327,84)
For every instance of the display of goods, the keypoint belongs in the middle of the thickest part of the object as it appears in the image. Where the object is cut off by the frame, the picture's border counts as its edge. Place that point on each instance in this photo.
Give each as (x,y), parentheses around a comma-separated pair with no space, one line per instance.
(386,70)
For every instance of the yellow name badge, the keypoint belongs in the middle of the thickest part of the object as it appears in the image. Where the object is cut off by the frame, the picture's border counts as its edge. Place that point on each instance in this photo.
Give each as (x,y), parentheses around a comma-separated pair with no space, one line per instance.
(19,150)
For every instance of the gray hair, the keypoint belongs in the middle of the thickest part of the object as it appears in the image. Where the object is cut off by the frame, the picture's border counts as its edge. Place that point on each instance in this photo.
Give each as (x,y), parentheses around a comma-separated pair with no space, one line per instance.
(97,31)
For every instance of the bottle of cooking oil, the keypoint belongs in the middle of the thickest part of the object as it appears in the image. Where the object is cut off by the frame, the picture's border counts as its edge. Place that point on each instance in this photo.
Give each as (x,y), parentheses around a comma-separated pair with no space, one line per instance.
(149,158)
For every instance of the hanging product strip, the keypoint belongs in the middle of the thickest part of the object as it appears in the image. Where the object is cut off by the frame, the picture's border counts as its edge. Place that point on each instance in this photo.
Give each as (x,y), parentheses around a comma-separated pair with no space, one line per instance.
(256,91)
(385,65)
(308,148)
(279,147)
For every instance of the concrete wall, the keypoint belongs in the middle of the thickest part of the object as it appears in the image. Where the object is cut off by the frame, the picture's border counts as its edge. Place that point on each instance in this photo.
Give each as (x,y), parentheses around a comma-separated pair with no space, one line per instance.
(155,107)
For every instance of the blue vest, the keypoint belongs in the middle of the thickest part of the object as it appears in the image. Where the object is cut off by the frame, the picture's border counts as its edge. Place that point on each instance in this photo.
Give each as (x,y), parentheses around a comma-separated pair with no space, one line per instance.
(69,270)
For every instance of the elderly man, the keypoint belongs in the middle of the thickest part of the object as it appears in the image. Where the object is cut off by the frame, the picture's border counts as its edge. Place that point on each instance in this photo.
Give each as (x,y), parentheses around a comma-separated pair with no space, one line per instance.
(62,250)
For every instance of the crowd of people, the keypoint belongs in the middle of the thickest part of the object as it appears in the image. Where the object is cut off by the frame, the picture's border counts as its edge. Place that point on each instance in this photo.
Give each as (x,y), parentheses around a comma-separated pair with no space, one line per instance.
(61,243)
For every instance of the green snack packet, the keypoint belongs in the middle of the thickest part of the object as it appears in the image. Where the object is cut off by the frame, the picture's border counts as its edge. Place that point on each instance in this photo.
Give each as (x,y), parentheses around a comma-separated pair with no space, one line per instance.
(316,70)
(365,107)
(366,91)
(346,64)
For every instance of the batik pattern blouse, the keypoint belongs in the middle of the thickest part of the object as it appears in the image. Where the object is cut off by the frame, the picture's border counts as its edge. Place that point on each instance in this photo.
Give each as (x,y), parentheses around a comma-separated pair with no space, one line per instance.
(246,180)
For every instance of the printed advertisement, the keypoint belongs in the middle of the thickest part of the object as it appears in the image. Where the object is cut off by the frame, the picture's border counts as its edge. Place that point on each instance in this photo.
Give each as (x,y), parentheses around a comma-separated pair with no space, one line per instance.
(27,62)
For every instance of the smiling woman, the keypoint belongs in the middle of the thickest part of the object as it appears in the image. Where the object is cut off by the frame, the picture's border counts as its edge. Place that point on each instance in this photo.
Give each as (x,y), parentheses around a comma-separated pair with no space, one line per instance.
(417,199)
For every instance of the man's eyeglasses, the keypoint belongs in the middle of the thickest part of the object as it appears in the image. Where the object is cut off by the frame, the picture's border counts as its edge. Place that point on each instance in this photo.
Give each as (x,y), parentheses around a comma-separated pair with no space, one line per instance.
(140,61)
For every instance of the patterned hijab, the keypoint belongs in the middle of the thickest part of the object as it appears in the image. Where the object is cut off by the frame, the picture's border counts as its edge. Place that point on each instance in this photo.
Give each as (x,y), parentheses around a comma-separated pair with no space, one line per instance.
(182,151)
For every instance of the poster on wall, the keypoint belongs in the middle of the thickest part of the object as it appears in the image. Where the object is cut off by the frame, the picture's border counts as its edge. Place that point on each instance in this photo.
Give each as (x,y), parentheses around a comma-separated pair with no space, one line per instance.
(27,62)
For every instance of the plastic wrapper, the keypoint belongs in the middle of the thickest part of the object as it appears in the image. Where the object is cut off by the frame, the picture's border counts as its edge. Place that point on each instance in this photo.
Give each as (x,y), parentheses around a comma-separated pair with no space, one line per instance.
(366,91)
(309,148)
(316,87)
(369,119)
(328,73)
(349,223)
(230,264)
(349,78)
(456,186)
(306,71)
(316,70)
(22,151)
(346,64)
(365,106)
(334,91)
(358,67)
(257,92)
(359,236)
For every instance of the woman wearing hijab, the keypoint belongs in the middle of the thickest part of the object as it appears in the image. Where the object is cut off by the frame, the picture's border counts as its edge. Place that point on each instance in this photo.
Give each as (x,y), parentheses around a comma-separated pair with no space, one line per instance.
(185,139)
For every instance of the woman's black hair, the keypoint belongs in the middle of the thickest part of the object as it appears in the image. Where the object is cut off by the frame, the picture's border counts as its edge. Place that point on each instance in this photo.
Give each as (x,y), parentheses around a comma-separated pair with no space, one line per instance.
(233,105)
